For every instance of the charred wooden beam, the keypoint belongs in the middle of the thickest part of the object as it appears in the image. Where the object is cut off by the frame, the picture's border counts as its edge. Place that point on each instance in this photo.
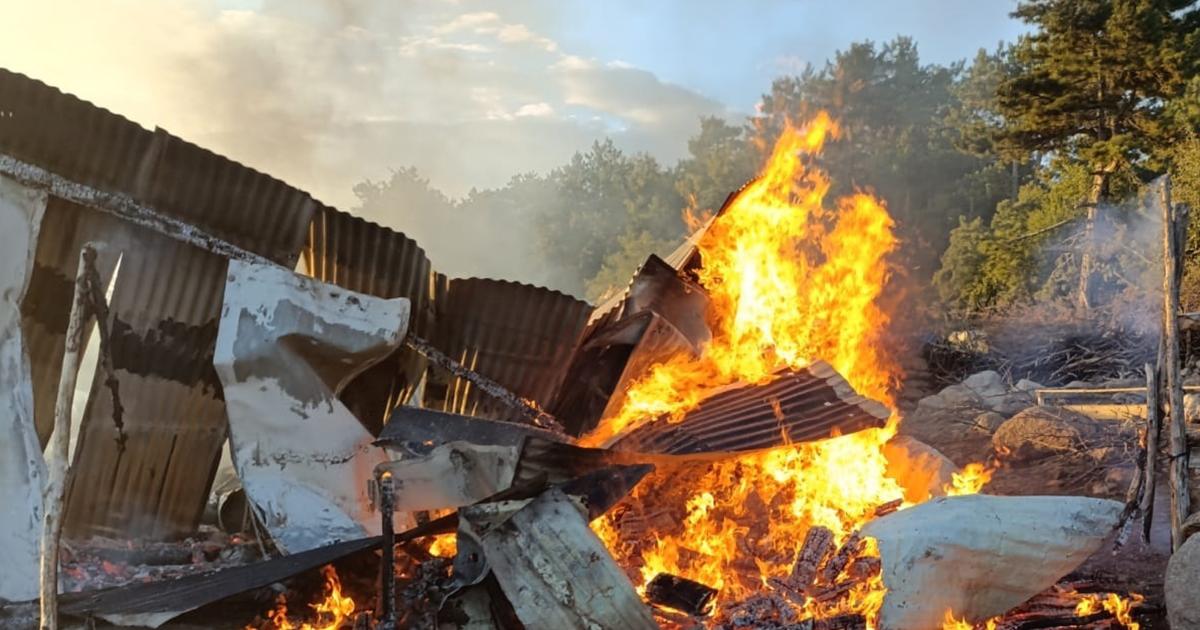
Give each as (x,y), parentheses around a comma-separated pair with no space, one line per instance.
(387,563)
(889,507)
(1153,429)
(818,544)
(681,593)
(849,549)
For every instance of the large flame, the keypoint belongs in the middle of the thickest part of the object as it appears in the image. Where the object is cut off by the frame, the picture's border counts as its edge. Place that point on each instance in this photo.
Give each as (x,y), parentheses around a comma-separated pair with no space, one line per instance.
(790,281)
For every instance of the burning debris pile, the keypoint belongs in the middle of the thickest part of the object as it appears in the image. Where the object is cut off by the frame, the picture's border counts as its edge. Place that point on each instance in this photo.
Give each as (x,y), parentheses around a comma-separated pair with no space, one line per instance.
(718,446)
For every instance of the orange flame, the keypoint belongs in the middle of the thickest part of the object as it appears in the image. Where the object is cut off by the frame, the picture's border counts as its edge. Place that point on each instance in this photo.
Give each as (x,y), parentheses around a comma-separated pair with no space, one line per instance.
(331,612)
(790,281)
(970,480)
(1117,606)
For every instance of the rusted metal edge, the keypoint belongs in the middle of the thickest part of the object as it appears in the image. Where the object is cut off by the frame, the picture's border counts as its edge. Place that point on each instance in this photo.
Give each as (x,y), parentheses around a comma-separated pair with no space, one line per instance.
(123,207)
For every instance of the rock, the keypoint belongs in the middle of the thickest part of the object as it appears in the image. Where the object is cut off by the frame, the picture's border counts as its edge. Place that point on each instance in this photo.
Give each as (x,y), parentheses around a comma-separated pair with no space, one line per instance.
(1078,385)
(1191,525)
(988,383)
(1183,574)
(1028,386)
(952,397)
(937,425)
(922,470)
(1042,431)
(981,555)
(988,422)
(1191,407)
(982,389)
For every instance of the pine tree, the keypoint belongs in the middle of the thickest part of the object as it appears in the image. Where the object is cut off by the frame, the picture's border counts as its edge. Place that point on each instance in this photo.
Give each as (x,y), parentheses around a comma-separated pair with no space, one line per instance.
(1091,85)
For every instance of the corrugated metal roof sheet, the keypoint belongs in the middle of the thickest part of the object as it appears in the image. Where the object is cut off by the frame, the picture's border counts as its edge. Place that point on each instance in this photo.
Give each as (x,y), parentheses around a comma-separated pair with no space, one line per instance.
(797,406)
(362,256)
(90,145)
(519,335)
(166,299)
(163,315)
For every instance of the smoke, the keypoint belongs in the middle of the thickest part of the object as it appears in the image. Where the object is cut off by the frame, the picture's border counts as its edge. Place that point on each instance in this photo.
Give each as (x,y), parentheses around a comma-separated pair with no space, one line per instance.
(325,94)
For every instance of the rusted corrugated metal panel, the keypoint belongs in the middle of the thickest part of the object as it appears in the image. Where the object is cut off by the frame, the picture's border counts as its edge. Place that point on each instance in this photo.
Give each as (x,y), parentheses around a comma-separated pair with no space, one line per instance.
(47,305)
(797,406)
(163,316)
(362,256)
(90,145)
(166,299)
(519,335)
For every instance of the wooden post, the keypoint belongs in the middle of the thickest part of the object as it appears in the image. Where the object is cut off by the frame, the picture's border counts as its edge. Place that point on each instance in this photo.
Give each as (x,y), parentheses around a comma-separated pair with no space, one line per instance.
(1174,381)
(60,440)
(1153,425)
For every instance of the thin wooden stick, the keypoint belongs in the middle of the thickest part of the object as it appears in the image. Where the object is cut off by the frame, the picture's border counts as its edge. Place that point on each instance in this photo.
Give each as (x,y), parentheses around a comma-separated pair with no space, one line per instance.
(1174,383)
(60,440)
(1153,426)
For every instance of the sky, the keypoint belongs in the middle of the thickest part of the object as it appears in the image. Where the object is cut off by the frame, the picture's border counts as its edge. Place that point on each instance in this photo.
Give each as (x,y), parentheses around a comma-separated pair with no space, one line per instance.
(326,93)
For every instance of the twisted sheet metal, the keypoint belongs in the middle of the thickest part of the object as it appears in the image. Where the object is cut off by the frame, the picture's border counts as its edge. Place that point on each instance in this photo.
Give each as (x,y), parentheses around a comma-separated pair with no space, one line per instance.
(797,406)
(165,302)
(365,257)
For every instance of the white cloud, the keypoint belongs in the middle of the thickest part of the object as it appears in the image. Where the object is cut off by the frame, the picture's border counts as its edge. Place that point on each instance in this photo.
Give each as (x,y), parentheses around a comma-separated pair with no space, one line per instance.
(535,109)
(324,95)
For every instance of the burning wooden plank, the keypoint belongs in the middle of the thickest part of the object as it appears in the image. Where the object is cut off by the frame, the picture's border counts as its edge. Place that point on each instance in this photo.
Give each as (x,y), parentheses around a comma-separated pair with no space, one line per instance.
(818,545)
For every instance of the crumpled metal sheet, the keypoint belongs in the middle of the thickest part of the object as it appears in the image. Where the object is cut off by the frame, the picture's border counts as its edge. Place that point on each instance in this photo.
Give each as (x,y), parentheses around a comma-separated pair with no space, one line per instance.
(362,256)
(287,344)
(661,314)
(22,471)
(164,307)
(797,406)
(516,334)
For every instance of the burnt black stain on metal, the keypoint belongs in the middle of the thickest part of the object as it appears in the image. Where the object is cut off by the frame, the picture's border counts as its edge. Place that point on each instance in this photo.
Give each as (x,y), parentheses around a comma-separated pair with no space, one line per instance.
(48,299)
(173,350)
(295,358)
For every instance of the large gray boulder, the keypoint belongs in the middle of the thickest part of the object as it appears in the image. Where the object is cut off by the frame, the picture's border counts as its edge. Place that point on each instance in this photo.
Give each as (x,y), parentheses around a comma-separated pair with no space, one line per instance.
(986,390)
(1183,576)
(1043,431)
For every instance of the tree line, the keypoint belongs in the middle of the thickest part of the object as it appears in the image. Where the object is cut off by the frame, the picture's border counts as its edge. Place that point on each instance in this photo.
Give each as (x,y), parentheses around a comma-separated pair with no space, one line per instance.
(1013,177)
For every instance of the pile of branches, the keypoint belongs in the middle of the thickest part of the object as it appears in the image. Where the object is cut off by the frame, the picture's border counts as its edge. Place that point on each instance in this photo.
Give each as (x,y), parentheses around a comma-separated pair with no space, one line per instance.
(1050,353)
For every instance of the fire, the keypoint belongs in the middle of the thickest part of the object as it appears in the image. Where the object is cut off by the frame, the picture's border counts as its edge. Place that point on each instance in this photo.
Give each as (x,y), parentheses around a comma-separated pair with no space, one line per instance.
(790,281)
(1114,604)
(950,622)
(332,612)
(970,480)
(444,545)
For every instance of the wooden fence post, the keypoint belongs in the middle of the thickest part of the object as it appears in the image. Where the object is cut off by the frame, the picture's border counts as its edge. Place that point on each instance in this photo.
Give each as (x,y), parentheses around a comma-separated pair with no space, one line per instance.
(57,452)
(1174,382)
